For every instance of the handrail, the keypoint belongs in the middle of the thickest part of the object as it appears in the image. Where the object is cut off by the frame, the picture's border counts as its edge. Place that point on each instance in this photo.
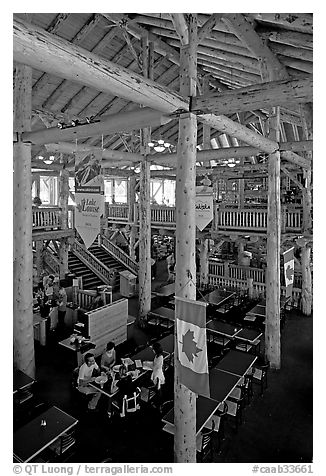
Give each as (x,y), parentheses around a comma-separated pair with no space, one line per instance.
(103,272)
(51,261)
(119,255)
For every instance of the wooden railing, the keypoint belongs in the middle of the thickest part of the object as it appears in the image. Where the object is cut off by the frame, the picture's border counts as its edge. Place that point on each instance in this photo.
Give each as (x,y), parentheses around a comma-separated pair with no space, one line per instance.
(119,255)
(259,289)
(85,298)
(234,271)
(46,218)
(51,261)
(226,217)
(103,272)
(162,214)
(116,212)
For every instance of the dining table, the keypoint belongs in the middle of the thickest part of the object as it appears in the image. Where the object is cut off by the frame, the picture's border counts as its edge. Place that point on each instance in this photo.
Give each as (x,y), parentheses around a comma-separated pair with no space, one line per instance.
(205,408)
(236,362)
(217,297)
(37,435)
(166,291)
(21,381)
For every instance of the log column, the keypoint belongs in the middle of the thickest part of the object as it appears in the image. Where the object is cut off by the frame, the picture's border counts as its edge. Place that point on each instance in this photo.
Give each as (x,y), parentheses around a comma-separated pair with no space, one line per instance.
(144,202)
(184,399)
(63,203)
(23,331)
(306,115)
(272,327)
(204,261)
(131,217)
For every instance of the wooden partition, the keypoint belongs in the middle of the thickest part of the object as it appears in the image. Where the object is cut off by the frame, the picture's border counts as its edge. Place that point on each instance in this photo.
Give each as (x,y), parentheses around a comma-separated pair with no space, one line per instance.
(108,323)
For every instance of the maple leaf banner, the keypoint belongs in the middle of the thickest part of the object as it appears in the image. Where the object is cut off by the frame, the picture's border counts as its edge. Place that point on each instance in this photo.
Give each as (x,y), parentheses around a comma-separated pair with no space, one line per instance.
(89,195)
(288,257)
(191,345)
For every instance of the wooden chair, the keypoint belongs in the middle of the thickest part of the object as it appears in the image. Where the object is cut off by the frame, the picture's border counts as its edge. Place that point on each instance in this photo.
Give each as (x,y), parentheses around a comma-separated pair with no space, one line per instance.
(235,410)
(259,376)
(205,444)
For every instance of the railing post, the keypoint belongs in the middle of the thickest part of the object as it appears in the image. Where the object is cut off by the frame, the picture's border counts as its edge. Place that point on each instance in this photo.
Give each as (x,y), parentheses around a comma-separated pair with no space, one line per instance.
(283,219)
(226,269)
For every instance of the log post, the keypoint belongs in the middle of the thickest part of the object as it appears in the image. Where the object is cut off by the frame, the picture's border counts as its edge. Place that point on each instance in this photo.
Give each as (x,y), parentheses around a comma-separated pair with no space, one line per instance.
(306,115)
(63,204)
(23,331)
(272,327)
(206,128)
(204,262)
(185,399)
(144,203)
(306,291)
(131,216)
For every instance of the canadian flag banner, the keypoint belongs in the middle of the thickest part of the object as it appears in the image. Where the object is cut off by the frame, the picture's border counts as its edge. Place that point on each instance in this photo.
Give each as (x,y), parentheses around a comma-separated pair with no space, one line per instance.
(289,270)
(191,345)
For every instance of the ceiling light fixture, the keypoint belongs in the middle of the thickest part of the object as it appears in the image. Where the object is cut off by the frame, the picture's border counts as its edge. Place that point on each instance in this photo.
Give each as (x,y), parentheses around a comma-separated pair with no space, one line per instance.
(49,160)
(159,145)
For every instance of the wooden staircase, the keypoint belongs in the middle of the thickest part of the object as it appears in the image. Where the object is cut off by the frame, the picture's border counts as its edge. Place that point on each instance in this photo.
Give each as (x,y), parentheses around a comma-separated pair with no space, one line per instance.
(76,266)
(106,258)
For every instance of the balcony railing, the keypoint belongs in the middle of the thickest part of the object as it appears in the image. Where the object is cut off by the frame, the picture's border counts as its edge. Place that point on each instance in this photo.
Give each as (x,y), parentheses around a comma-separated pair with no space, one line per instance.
(226,217)
(116,212)
(46,218)
(50,218)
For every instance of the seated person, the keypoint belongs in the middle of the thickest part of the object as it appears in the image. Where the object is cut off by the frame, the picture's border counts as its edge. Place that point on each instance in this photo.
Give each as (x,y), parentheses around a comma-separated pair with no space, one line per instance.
(125,385)
(108,358)
(85,376)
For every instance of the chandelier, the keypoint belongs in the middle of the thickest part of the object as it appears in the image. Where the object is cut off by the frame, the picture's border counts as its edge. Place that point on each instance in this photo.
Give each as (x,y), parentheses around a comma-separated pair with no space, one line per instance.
(49,160)
(159,145)
(230,162)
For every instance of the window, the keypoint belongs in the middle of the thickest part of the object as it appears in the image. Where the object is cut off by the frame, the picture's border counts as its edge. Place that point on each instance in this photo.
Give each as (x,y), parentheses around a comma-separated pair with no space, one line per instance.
(115,190)
(49,190)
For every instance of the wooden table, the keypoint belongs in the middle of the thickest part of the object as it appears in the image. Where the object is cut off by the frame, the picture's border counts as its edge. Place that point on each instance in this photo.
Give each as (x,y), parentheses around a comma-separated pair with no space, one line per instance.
(21,381)
(217,297)
(80,351)
(247,339)
(205,408)
(166,291)
(32,438)
(236,363)
(162,316)
(248,335)
(221,332)
(167,344)
(221,384)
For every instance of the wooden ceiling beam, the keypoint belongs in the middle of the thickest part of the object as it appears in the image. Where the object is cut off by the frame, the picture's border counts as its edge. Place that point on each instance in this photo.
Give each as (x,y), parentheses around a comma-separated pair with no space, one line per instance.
(41,50)
(181,27)
(256,96)
(69,148)
(246,33)
(207,27)
(111,123)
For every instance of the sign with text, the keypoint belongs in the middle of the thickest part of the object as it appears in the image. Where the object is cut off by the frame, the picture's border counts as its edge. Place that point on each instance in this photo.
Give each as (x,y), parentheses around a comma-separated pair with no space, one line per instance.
(204,206)
(89,195)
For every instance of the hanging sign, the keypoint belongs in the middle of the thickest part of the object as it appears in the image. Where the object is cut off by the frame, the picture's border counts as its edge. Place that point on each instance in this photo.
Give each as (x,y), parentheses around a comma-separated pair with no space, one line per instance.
(203,206)
(89,195)
(289,270)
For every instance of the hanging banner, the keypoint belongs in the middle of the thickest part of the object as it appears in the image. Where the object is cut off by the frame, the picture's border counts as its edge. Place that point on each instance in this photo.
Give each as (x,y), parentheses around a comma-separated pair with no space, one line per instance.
(288,257)
(203,206)
(89,195)
(192,345)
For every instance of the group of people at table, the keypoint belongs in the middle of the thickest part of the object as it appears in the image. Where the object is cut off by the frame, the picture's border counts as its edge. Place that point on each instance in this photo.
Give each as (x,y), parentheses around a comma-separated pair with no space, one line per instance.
(122,379)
